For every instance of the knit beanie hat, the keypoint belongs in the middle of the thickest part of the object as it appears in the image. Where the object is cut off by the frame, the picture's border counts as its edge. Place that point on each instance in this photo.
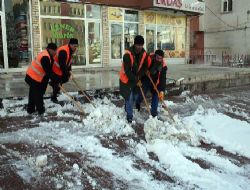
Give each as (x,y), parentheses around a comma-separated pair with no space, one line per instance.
(139,40)
(52,46)
(73,41)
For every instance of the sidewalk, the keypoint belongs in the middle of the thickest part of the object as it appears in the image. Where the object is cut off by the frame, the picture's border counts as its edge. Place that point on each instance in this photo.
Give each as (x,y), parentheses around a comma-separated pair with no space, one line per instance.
(197,77)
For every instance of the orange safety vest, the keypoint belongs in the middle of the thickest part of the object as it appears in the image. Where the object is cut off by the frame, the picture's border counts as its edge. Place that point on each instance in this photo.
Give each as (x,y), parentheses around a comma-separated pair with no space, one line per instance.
(56,67)
(123,76)
(35,70)
(150,62)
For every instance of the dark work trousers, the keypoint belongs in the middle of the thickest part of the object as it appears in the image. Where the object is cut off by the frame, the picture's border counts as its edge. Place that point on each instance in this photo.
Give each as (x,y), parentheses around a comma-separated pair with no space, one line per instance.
(55,84)
(146,86)
(129,104)
(35,102)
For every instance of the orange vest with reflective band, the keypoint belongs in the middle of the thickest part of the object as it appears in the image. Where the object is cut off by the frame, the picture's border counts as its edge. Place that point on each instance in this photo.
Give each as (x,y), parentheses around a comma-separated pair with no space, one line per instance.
(149,64)
(35,70)
(56,67)
(123,76)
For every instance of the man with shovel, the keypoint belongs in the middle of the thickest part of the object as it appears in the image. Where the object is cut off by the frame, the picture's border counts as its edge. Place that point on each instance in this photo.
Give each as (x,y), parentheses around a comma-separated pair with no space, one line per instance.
(37,77)
(134,67)
(62,66)
(156,78)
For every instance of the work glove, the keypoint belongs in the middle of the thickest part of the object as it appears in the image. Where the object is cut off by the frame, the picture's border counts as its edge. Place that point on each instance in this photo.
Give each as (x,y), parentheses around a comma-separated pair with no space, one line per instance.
(147,72)
(139,83)
(161,96)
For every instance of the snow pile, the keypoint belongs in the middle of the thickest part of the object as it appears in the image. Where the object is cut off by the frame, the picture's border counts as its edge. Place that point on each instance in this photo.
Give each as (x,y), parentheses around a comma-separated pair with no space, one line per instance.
(107,118)
(176,131)
(41,160)
(13,108)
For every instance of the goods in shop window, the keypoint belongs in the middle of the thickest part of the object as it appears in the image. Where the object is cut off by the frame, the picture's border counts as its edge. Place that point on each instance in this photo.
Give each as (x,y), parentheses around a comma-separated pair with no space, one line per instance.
(22,36)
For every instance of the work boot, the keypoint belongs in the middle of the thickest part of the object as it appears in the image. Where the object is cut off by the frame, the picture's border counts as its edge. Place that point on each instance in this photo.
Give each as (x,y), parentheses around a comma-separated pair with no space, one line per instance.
(30,110)
(129,120)
(154,114)
(138,106)
(41,111)
(54,99)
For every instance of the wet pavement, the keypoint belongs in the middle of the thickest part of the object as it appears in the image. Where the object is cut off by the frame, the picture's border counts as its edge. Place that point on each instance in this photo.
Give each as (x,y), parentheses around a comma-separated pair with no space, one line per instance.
(13,84)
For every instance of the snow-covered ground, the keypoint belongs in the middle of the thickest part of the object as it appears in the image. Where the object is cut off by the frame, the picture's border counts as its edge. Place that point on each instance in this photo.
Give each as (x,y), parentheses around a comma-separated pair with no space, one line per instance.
(202,148)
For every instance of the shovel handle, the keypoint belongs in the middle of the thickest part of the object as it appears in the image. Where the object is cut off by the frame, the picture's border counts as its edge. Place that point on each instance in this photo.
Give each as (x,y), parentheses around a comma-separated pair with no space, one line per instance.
(76,84)
(72,99)
(158,93)
(143,95)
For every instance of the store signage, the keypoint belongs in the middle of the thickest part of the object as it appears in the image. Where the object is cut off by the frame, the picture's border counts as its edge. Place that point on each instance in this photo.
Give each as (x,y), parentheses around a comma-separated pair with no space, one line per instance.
(184,5)
(59,31)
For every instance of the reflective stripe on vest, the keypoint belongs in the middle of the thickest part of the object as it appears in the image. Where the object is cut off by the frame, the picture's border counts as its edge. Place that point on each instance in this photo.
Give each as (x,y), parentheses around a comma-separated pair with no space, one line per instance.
(35,70)
(56,67)
(159,74)
(123,76)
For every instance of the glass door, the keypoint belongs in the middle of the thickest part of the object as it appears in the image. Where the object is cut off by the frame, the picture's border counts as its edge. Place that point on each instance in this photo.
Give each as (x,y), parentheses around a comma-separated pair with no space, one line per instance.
(17,16)
(150,38)
(1,45)
(94,52)
(116,43)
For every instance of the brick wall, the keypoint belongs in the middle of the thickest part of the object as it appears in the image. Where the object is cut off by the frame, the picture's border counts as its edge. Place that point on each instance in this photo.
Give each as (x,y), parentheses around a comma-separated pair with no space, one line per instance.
(188,39)
(35,26)
(105,37)
(141,23)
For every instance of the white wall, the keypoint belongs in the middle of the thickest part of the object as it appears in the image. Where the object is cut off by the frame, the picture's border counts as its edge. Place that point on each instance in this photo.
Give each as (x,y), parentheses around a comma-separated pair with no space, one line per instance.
(226,33)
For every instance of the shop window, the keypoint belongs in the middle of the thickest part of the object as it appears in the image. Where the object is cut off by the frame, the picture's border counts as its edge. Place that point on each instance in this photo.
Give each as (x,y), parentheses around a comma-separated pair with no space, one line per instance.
(115,14)
(131,16)
(94,42)
(227,6)
(179,42)
(18,32)
(93,11)
(150,38)
(130,27)
(116,41)
(165,38)
(130,31)
(61,31)
(64,8)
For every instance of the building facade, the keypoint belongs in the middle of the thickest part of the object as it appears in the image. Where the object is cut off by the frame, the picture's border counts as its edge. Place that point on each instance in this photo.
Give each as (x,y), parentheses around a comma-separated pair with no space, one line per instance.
(226,26)
(105,29)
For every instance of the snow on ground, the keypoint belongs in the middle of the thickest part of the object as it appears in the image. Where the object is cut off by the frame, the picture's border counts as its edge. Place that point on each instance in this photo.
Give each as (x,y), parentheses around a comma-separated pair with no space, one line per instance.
(231,134)
(175,143)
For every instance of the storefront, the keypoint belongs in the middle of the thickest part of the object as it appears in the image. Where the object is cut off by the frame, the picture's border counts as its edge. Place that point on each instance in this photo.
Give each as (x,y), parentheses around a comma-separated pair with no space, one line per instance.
(160,30)
(104,30)
(16,46)
(62,21)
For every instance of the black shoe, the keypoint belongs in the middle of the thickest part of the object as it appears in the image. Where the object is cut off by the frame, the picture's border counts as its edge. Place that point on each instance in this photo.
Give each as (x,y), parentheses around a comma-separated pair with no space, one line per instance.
(138,106)
(50,83)
(54,99)
(129,120)
(154,114)
(30,110)
(41,111)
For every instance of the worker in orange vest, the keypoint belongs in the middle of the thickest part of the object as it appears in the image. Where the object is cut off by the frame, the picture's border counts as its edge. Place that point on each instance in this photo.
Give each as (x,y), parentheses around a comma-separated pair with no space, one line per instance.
(62,66)
(37,77)
(157,72)
(134,67)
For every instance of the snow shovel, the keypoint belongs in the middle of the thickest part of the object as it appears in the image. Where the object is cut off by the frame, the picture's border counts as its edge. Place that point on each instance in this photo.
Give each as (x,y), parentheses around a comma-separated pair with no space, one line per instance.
(158,93)
(72,99)
(143,95)
(76,84)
